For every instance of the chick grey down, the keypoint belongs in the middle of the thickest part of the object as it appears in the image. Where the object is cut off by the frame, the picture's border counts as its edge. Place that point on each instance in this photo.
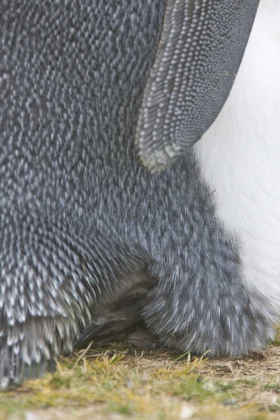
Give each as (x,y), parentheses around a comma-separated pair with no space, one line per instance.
(119,317)
(78,210)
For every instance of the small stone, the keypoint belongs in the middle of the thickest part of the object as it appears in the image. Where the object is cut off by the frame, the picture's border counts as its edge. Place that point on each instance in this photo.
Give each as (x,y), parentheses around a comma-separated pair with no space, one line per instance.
(231,401)
(209,386)
(186,412)
(115,416)
(30,416)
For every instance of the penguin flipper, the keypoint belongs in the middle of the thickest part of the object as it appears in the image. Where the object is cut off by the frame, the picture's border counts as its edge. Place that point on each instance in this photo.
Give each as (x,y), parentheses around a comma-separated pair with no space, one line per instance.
(198,55)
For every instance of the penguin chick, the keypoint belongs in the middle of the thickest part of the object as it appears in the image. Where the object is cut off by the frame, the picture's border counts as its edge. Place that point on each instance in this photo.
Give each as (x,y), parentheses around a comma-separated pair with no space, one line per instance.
(136,336)
(116,314)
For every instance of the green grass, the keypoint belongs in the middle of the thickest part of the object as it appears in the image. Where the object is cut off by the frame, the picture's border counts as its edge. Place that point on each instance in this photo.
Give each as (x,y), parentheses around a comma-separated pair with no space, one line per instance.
(118,384)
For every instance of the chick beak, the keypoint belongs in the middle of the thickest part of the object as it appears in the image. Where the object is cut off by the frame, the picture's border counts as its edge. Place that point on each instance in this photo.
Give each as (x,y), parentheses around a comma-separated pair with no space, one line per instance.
(110,329)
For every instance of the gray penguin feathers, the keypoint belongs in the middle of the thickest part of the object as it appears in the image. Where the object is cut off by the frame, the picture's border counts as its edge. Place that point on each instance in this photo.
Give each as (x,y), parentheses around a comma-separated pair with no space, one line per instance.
(86,87)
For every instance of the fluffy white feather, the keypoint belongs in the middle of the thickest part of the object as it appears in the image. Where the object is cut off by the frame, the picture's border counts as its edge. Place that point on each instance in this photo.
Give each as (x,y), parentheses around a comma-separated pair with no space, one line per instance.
(240,156)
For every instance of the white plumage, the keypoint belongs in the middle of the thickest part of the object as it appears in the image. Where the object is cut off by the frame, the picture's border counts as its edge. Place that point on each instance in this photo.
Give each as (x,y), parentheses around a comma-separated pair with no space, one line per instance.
(240,156)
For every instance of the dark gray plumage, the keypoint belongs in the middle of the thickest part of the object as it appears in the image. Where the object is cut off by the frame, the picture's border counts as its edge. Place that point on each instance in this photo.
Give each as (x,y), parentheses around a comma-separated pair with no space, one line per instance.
(200,49)
(78,211)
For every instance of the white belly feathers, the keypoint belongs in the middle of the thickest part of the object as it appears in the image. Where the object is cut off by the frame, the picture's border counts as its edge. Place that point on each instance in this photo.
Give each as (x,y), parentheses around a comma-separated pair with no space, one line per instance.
(239,156)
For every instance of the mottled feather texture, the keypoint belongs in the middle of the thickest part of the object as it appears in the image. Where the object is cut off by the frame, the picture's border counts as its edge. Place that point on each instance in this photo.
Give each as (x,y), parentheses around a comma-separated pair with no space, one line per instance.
(199,51)
(78,211)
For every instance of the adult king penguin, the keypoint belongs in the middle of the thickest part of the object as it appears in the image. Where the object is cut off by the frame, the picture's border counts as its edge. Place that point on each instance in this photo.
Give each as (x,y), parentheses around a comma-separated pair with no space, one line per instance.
(86,88)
